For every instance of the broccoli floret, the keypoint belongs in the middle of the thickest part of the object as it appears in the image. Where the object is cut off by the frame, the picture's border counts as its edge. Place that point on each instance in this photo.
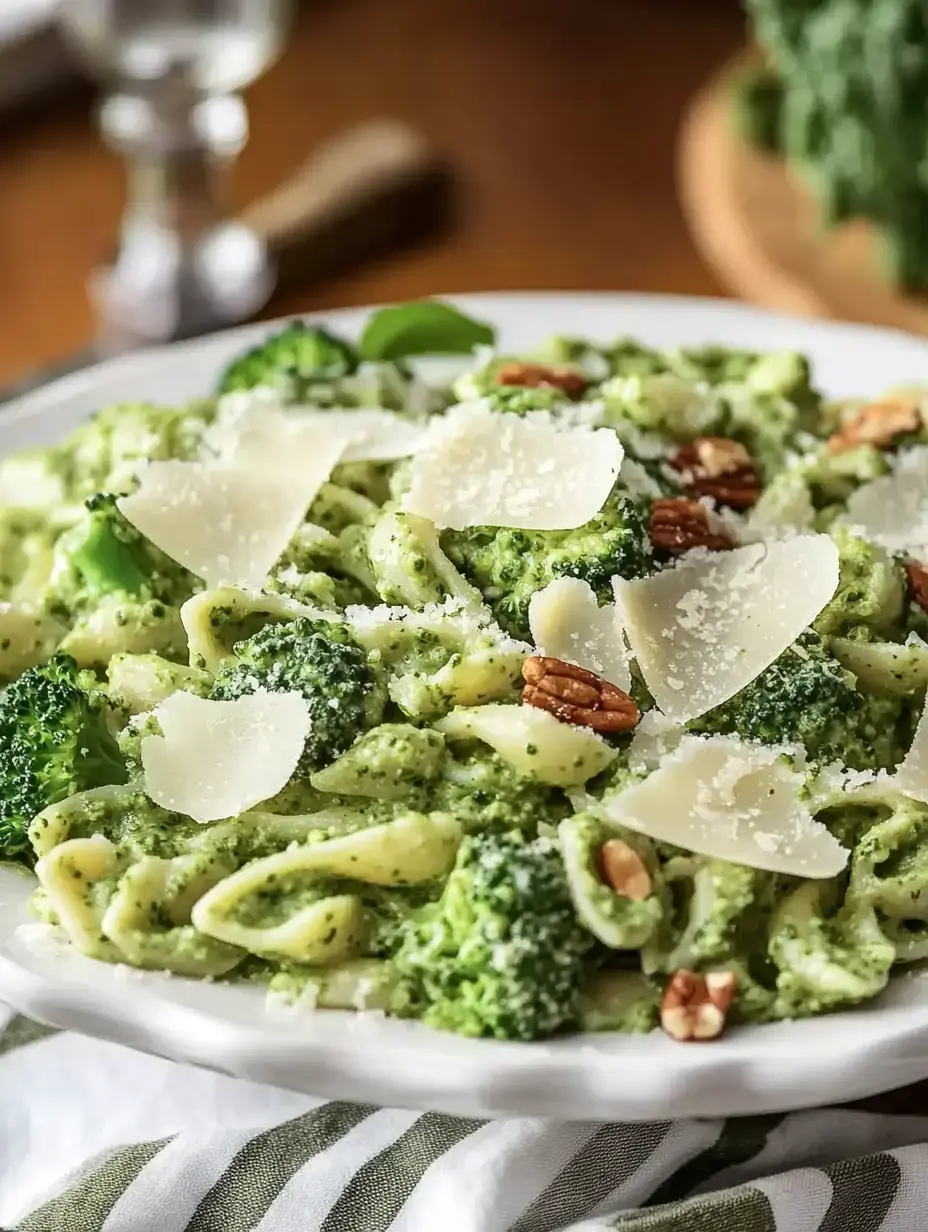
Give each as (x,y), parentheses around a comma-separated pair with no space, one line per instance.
(501,954)
(806,697)
(387,914)
(321,660)
(508,565)
(104,454)
(104,554)
(55,740)
(484,793)
(290,361)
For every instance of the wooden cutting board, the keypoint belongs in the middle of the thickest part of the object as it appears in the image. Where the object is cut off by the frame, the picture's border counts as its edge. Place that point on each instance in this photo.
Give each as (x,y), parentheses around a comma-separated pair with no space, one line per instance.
(757,226)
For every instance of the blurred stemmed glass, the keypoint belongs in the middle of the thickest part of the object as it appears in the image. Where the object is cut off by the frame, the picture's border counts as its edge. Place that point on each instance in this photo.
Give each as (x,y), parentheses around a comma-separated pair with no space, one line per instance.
(173,71)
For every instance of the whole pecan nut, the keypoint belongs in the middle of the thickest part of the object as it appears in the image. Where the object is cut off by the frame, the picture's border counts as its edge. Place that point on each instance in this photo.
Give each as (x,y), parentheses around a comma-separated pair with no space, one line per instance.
(918,583)
(878,423)
(679,524)
(718,467)
(577,696)
(623,870)
(568,380)
(694,1006)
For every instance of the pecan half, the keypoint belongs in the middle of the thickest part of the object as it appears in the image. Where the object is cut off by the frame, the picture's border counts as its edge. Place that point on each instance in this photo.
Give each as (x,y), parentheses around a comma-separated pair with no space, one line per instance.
(678,524)
(918,583)
(568,380)
(694,1006)
(717,467)
(577,696)
(878,423)
(623,870)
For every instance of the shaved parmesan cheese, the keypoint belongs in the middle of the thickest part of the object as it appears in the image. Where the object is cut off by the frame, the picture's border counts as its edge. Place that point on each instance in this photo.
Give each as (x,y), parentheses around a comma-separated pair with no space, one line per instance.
(254,427)
(229,522)
(728,800)
(893,510)
(534,742)
(376,435)
(218,759)
(257,421)
(911,777)
(636,480)
(705,629)
(567,623)
(655,737)
(478,467)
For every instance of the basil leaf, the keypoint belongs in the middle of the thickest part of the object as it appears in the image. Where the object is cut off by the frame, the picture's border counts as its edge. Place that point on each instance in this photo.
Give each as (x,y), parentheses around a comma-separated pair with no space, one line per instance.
(427,327)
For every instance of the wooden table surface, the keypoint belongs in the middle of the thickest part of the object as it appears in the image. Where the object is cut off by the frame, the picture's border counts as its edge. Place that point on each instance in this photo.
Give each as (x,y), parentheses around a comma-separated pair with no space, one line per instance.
(559,119)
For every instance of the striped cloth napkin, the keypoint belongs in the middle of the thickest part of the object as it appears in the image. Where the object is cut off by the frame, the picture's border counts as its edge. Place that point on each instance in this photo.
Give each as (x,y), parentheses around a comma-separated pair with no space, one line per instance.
(96,1138)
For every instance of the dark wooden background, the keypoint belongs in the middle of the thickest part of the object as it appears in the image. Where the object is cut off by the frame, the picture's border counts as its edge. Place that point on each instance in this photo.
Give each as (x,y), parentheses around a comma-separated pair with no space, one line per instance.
(559,117)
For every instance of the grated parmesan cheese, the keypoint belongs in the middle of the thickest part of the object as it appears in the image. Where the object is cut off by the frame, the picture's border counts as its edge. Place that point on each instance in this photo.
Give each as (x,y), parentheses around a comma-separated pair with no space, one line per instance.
(218,759)
(479,467)
(705,629)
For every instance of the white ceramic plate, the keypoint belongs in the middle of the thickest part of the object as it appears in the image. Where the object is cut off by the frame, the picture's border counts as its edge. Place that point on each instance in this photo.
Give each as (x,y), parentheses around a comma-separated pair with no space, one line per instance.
(370,1058)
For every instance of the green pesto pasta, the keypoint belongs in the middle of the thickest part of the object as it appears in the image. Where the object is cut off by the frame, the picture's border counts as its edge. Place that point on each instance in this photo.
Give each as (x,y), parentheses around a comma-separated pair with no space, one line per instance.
(460,838)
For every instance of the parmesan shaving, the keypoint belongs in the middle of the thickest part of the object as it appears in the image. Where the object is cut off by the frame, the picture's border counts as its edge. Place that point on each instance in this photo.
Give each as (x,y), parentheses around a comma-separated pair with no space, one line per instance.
(893,510)
(218,759)
(702,631)
(728,800)
(567,623)
(479,467)
(257,421)
(229,520)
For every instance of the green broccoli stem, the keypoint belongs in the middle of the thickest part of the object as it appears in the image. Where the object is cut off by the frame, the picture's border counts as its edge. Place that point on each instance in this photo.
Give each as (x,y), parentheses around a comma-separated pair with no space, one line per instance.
(105,561)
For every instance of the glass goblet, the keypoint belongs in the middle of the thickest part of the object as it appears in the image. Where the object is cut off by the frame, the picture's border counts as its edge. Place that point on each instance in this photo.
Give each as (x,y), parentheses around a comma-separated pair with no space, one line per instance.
(173,70)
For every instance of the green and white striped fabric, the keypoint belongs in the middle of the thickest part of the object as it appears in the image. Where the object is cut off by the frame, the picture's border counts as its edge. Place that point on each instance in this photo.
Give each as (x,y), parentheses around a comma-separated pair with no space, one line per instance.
(95,1138)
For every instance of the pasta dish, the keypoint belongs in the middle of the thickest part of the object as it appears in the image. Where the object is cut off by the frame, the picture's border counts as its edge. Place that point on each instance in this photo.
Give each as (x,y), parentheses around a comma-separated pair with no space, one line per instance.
(578,690)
